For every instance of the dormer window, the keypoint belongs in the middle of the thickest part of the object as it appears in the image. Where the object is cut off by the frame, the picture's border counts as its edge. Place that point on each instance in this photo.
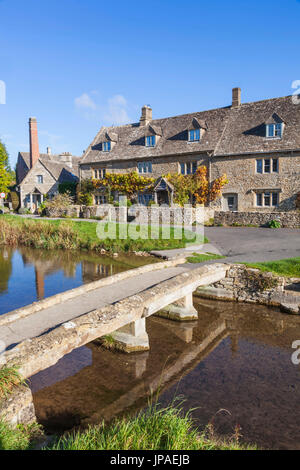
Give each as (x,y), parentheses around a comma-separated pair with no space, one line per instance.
(194,135)
(106,146)
(150,141)
(274,130)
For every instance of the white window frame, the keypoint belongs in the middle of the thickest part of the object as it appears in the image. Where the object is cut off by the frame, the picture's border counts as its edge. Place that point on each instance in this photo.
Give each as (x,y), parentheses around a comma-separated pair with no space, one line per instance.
(190,133)
(38,179)
(265,194)
(144,167)
(99,173)
(187,165)
(151,138)
(277,130)
(106,146)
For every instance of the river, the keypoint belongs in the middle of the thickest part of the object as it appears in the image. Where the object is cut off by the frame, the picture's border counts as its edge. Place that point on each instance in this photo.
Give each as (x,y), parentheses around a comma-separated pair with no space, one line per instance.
(233,365)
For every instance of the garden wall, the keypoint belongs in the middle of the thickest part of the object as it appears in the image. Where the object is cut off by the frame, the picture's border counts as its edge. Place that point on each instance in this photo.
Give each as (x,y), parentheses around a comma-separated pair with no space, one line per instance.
(260,219)
(146,215)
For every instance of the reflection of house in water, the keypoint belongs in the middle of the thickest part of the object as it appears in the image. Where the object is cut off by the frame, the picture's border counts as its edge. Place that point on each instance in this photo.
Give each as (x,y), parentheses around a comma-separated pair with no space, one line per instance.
(46,264)
(5,268)
(92,271)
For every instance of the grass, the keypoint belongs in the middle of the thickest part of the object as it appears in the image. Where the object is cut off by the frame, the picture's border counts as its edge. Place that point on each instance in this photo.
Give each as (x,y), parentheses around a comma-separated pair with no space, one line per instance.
(9,379)
(20,438)
(201,257)
(156,429)
(286,267)
(70,235)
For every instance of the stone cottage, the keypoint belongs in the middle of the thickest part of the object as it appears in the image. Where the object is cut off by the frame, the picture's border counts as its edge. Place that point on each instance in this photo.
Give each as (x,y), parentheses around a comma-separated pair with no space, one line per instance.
(256,144)
(39,174)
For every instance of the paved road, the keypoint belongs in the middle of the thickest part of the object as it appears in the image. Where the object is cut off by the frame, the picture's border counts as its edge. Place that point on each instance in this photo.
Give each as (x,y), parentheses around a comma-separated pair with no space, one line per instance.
(42,321)
(246,244)
(254,244)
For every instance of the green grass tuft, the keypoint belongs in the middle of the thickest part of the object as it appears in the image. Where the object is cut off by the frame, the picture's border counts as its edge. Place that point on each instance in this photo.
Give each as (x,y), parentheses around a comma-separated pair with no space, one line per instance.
(201,257)
(9,379)
(156,429)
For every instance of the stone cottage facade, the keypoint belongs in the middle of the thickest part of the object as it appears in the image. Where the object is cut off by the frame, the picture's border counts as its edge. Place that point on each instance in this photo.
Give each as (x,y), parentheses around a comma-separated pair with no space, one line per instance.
(256,144)
(40,174)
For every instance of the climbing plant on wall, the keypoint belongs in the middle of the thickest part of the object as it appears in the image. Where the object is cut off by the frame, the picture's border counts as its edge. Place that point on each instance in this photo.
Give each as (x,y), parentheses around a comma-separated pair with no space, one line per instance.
(128,184)
(197,185)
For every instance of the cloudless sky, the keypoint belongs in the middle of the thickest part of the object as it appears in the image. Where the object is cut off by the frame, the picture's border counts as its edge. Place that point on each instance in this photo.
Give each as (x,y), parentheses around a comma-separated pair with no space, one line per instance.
(79,64)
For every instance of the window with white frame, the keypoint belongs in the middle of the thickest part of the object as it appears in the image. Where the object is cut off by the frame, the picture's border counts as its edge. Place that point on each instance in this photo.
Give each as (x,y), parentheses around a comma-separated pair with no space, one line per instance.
(274,130)
(99,173)
(144,199)
(267,199)
(267,165)
(40,179)
(106,146)
(145,167)
(194,135)
(188,168)
(100,199)
(150,141)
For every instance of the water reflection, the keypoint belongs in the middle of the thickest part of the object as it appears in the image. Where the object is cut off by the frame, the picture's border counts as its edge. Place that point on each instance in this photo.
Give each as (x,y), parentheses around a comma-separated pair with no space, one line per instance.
(27,275)
(233,365)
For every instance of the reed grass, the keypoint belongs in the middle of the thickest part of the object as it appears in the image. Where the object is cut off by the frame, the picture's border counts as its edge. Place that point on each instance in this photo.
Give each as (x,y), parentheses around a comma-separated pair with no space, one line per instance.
(155,429)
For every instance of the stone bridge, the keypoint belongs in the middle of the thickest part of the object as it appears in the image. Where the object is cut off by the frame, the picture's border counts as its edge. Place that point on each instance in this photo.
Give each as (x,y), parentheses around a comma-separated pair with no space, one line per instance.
(37,336)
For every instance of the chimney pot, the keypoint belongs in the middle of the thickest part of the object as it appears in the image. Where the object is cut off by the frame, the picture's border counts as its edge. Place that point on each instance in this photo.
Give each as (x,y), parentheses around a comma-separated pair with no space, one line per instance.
(236,97)
(49,151)
(146,116)
(33,141)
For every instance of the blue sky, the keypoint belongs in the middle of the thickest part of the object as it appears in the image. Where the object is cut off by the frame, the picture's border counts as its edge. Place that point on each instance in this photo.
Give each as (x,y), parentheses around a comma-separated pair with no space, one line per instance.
(79,64)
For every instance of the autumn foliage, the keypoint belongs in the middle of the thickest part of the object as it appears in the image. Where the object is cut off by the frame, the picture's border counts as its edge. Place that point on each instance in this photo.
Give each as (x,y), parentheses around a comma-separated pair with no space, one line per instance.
(185,186)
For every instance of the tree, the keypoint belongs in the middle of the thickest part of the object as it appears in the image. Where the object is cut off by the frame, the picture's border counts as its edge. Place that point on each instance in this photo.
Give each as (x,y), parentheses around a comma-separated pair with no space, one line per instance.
(5,170)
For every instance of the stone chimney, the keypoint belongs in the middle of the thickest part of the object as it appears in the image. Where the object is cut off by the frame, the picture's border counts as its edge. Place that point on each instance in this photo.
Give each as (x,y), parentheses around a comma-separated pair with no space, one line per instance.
(146,116)
(66,157)
(34,142)
(49,151)
(236,97)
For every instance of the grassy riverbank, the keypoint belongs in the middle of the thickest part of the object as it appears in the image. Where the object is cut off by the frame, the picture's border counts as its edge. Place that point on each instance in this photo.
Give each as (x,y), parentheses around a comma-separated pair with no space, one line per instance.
(155,429)
(70,235)
(286,267)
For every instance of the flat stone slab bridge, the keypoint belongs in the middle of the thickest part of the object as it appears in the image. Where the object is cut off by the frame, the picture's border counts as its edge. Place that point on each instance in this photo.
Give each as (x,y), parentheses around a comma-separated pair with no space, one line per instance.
(37,336)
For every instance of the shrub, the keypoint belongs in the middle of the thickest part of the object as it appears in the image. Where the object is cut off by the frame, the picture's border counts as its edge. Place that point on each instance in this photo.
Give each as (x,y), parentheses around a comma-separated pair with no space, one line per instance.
(274,224)
(57,206)
(15,200)
(85,199)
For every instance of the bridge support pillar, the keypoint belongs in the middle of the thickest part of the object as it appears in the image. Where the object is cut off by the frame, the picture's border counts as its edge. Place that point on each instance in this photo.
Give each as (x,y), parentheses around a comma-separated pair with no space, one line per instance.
(181,310)
(132,337)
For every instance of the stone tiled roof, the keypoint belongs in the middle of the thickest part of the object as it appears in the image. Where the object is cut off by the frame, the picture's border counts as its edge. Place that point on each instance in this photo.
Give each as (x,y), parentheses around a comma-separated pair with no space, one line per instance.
(174,138)
(226,131)
(245,130)
(53,163)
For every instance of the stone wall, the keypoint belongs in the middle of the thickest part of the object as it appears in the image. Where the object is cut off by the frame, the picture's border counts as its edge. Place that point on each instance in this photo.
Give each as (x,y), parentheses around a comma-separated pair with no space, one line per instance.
(160,165)
(146,215)
(244,181)
(18,408)
(243,284)
(260,219)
